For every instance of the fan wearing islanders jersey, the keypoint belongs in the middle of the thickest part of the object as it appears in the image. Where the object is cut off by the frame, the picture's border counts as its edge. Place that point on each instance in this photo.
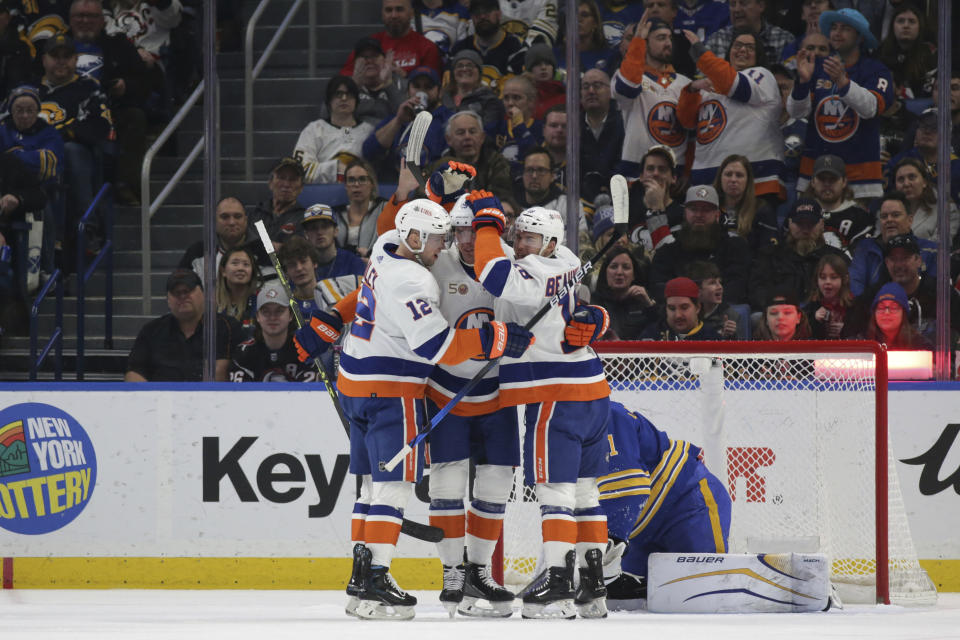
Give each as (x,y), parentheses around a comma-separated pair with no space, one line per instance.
(397,336)
(735,109)
(843,97)
(647,89)
(566,398)
(660,497)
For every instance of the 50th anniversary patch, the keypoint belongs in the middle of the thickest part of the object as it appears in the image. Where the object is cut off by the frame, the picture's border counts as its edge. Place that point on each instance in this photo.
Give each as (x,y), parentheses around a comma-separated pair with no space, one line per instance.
(48,468)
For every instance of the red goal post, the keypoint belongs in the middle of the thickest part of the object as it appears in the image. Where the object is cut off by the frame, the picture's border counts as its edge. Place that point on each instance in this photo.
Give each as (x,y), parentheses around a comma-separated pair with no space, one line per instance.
(804,422)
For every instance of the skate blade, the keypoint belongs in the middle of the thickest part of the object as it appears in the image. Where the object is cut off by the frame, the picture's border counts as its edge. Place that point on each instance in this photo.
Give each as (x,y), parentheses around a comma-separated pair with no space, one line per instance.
(372,610)
(631,604)
(352,603)
(472,607)
(451,608)
(558,609)
(593,609)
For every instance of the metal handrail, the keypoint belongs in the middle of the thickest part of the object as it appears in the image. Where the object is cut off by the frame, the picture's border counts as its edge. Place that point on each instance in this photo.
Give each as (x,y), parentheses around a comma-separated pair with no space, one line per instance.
(251,72)
(85,272)
(56,280)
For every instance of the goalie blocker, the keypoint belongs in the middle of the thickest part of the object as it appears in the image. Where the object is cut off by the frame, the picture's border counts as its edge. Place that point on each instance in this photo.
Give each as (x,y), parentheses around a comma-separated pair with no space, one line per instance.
(738,583)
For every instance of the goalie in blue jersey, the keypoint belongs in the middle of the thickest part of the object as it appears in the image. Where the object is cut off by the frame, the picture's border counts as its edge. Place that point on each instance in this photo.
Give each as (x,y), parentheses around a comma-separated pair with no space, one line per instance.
(658,497)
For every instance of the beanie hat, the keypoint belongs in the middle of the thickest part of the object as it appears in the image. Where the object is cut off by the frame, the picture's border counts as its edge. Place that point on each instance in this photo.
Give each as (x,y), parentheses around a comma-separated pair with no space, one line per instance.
(891,291)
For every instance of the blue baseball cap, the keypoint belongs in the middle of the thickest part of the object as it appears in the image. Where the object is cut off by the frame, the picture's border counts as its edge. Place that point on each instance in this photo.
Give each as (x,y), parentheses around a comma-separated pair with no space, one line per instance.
(850,17)
(423,70)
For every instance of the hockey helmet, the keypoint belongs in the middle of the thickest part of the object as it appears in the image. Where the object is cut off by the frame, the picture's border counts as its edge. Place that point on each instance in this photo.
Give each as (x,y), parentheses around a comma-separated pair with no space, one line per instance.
(547,222)
(461,215)
(424,216)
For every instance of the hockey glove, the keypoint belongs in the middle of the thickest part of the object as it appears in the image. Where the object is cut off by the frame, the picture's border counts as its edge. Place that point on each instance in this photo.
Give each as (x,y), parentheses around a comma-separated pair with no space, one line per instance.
(504,339)
(487,211)
(450,182)
(588,323)
(315,338)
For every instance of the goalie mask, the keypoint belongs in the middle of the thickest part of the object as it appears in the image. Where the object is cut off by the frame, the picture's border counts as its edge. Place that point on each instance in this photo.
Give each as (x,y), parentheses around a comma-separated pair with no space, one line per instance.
(423,216)
(547,222)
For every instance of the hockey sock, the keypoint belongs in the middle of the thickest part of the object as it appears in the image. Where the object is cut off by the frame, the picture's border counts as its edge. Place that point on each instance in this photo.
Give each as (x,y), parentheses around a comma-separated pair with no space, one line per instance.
(491,489)
(558,524)
(382,528)
(360,510)
(591,520)
(448,485)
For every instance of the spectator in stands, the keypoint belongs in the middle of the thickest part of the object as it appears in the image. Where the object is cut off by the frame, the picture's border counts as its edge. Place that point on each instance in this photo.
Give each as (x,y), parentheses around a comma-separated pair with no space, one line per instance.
(783,319)
(666,10)
(76,107)
(230,218)
(537,187)
(501,52)
(326,146)
(742,212)
(20,193)
(893,219)
(591,43)
(703,17)
(846,93)
(794,132)
(533,22)
(747,119)
(113,61)
(29,138)
(555,141)
(465,91)
(890,323)
(170,348)
(16,61)
(540,65)
(443,22)
(647,90)
(830,299)
(681,321)
(655,214)
(410,49)
(810,11)
(747,15)
(519,131)
(845,222)
(465,137)
(281,214)
(792,263)
(912,61)
(716,313)
(238,278)
(622,292)
(702,237)
(910,176)
(300,260)
(357,219)
(380,86)
(600,232)
(926,140)
(385,146)
(616,16)
(320,230)
(601,134)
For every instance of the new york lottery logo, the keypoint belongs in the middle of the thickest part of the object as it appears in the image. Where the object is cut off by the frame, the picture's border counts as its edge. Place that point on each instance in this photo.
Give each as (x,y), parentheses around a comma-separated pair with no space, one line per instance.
(48,468)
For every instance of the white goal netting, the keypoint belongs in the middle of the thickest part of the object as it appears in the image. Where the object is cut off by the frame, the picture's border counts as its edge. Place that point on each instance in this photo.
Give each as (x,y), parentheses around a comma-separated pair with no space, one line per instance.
(795,438)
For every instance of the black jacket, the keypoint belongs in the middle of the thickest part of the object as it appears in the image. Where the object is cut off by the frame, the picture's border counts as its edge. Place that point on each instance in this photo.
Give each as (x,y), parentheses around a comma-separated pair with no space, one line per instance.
(730,253)
(778,265)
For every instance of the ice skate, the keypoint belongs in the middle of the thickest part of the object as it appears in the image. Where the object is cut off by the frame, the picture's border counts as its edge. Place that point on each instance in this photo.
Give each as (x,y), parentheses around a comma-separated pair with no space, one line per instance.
(382,599)
(551,594)
(361,564)
(627,593)
(591,597)
(452,593)
(483,597)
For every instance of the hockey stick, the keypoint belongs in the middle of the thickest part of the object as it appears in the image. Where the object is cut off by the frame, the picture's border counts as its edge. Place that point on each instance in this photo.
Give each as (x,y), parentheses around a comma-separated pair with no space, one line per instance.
(621,213)
(413,529)
(418,133)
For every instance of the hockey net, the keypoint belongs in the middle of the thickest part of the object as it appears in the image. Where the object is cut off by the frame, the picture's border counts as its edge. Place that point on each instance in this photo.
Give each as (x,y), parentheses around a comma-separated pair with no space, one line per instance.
(796,430)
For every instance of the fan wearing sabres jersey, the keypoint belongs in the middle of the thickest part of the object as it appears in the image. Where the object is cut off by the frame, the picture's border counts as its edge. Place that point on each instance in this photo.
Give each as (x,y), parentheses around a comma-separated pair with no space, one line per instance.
(660,497)
(847,92)
(566,397)
(397,336)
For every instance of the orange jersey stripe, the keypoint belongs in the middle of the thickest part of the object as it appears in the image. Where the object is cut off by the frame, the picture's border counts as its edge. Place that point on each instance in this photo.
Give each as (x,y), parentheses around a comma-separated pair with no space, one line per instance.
(379,388)
(553,393)
(464,407)
(379,532)
(560,530)
(410,432)
(592,531)
(772,186)
(453,526)
(486,528)
(855,172)
(540,451)
(357,529)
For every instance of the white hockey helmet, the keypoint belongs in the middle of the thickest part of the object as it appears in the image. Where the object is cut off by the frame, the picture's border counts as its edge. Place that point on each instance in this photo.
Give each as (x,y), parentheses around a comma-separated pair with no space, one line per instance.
(547,222)
(461,215)
(424,216)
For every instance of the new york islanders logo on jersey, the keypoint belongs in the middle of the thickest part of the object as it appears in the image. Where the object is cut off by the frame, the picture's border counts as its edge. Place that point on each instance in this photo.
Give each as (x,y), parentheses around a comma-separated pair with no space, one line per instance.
(662,124)
(711,121)
(474,319)
(835,121)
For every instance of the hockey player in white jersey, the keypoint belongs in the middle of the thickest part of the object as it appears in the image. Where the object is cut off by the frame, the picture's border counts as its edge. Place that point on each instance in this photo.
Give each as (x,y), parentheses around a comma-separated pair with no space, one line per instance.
(567,400)
(396,338)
